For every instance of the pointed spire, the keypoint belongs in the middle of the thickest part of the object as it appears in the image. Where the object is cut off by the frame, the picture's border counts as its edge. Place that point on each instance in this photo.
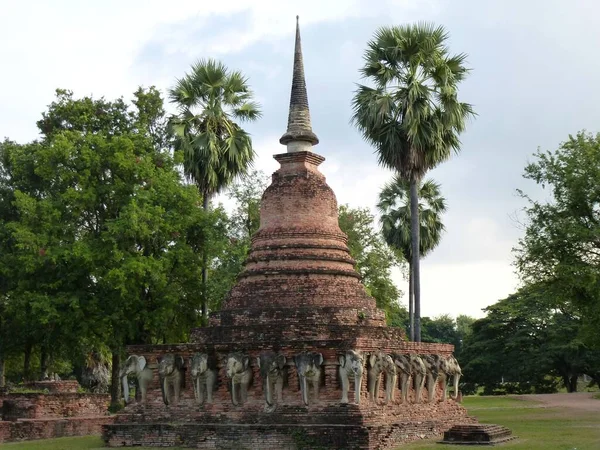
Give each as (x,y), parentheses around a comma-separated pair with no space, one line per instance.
(299,135)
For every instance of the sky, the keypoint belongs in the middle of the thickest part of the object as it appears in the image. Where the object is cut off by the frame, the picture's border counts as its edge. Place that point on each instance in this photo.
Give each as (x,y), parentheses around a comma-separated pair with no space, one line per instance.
(534,81)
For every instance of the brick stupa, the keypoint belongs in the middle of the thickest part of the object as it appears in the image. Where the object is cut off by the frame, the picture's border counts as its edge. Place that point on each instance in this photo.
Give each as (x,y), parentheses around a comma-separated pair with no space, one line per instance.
(298,293)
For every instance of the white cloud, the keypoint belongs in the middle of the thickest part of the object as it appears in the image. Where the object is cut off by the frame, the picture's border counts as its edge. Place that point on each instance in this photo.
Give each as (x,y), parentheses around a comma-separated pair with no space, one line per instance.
(461,288)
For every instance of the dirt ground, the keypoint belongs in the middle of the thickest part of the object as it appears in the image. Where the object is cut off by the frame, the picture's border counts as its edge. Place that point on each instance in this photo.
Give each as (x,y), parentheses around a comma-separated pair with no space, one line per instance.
(582,401)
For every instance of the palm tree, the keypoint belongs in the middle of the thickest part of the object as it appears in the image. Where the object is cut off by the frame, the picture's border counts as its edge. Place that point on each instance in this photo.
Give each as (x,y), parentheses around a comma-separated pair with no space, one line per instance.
(216,150)
(394,207)
(412,115)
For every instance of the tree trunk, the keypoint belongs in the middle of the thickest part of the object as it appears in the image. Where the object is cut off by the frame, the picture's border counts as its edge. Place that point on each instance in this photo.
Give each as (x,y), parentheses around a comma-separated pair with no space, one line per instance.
(115,385)
(573,384)
(2,381)
(411,304)
(43,362)
(27,362)
(415,241)
(204,306)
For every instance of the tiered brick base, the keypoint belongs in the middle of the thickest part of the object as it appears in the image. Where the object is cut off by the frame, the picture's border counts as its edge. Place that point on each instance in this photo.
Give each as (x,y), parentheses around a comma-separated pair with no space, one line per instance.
(477,434)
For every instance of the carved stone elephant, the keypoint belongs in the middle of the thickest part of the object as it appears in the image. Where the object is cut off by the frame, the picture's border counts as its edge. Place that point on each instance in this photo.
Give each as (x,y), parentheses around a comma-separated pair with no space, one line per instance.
(405,371)
(203,378)
(432,365)
(239,373)
(136,365)
(418,371)
(351,366)
(272,372)
(308,367)
(449,368)
(381,363)
(171,375)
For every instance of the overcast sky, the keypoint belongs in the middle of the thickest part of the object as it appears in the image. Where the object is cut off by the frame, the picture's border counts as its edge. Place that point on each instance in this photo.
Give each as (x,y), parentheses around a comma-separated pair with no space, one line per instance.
(534,81)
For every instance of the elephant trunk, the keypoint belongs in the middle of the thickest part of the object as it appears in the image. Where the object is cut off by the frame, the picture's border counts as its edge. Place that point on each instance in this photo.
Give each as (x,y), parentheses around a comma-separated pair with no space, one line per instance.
(456,379)
(125,385)
(164,388)
(269,393)
(233,395)
(357,386)
(304,389)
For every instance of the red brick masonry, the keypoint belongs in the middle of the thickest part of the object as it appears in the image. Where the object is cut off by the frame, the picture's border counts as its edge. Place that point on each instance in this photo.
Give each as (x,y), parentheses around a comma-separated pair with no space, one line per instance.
(42,416)
(299,292)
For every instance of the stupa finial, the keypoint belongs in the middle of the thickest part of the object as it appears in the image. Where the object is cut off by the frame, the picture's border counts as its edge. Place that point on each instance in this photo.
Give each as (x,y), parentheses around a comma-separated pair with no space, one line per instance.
(299,135)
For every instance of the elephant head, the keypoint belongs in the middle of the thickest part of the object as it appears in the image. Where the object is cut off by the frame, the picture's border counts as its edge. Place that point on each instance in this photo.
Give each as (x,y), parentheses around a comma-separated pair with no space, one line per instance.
(381,363)
(203,377)
(351,365)
(272,367)
(432,365)
(240,374)
(308,366)
(449,368)
(170,372)
(135,365)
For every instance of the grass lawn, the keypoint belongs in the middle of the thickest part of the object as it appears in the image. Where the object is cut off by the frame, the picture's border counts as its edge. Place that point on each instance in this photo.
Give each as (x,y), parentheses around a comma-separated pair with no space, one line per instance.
(537,428)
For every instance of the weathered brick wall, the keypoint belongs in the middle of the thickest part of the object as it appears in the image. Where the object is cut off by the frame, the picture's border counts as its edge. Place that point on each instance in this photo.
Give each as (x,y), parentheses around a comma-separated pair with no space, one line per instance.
(35,406)
(62,386)
(52,428)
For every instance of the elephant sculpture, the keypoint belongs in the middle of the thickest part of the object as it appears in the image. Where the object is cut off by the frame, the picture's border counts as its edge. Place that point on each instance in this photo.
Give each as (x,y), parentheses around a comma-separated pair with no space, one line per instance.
(171,376)
(449,368)
(351,365)
(272,372)
(203,378)
(239,373)
(403,363)
(432,365)
(136,365)
(381,363)
(418,371)
(308,367)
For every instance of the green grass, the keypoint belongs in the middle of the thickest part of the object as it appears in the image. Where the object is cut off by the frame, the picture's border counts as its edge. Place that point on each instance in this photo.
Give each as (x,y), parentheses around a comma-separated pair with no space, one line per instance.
(537,428)
(68,443)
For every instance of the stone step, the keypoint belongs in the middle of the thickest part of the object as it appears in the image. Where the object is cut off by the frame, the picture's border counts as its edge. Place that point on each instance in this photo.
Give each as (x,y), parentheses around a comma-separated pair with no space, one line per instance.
(477,434)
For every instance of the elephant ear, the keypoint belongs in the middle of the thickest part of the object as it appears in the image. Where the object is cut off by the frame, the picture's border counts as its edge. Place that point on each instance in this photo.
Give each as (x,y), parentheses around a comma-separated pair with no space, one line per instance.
(281,360)
(372,359)
(318,359)
(342,360)
(179,362)
(245,362)
(141,363)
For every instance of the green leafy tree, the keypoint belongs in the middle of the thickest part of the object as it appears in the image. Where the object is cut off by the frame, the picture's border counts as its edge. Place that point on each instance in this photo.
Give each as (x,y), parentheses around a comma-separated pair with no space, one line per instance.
(561,246)
(394,207)
(411,115)
(374,260)
(525,343)
(107,237)
(216,149)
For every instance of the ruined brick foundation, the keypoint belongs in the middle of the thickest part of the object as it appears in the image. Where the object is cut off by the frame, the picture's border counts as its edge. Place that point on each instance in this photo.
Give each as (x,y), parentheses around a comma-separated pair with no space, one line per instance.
(60,412)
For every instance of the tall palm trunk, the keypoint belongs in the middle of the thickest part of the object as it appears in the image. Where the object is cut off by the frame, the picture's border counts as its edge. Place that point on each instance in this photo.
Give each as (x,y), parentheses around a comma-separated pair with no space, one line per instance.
(204,306)
(411,303)
(114,379)
(1,370)
(414,236)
